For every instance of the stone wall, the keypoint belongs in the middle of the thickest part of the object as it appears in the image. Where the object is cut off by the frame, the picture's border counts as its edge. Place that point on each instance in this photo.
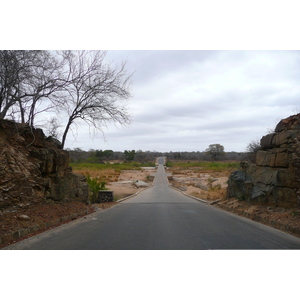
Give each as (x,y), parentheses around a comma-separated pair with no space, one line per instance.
(275,176)
(34,169)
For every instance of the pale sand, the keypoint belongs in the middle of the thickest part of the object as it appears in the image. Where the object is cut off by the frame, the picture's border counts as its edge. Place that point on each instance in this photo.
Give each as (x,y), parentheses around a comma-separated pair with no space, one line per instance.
(125,185)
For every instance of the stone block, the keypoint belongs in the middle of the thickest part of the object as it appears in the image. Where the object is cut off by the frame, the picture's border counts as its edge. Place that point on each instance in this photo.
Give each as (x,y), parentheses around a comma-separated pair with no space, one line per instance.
(23,232)
(291,122)
(282,160)
(248,185)
(265,175)
(56,192)
(267,141)
(236,185)
(286,178)
(284,137)
(285,196)
(257,194)
(39,138)
(281,138)
(265,158)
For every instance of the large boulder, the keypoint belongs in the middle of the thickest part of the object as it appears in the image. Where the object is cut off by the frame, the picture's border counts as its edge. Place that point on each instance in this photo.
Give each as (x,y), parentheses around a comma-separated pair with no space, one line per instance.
(237,182)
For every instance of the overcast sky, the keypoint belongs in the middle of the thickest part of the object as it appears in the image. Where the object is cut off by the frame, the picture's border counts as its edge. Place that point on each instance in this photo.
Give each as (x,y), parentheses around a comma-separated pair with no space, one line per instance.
(187,100)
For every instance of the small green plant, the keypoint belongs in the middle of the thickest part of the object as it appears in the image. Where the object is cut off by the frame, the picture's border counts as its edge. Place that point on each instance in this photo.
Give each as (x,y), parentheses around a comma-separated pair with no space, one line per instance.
(94,187)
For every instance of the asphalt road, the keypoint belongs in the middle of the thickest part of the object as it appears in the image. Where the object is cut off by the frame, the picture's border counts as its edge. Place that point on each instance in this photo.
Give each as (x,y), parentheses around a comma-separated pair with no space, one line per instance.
(161,218)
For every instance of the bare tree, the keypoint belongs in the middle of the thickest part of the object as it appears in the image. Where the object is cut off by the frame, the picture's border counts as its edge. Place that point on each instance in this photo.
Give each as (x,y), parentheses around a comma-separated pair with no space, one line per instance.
(79,83)
(252,149)
(52,127)
(27,78)
(94,90)
(12,72)
(43,86)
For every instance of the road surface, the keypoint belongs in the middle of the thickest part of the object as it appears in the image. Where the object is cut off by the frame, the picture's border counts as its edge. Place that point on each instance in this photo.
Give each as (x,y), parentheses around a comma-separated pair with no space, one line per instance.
(161,218)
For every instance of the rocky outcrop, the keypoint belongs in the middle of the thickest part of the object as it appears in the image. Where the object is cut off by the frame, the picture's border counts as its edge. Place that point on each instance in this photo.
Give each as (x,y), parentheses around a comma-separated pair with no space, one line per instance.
(34,169)
(275,177)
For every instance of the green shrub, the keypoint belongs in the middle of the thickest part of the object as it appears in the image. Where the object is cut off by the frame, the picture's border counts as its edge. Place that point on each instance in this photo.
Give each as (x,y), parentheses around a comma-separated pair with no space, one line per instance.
(94,187)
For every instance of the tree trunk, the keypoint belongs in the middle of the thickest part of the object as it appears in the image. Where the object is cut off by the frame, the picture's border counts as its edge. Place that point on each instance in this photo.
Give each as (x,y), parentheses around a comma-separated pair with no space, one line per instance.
(66,132)
(22,112)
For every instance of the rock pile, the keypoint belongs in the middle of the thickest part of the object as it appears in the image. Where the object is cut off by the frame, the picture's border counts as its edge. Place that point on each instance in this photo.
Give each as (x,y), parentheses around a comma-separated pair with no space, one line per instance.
(34,169)
(275,177)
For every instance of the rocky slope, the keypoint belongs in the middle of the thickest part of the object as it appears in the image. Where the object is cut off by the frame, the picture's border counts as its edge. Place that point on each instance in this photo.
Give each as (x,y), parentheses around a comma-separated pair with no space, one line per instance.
(275,177)
(34,169)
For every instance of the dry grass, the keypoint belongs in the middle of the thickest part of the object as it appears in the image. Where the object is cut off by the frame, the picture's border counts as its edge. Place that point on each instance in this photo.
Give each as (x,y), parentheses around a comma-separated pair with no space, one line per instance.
(107,175)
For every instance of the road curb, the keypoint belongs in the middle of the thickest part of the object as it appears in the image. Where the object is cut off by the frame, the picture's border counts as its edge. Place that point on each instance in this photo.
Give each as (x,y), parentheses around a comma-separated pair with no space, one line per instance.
(193,197)
(123,199)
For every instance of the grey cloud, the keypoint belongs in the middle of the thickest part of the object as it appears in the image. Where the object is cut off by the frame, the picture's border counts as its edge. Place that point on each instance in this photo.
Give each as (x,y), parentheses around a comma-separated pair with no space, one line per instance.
(152,65)
(189,99)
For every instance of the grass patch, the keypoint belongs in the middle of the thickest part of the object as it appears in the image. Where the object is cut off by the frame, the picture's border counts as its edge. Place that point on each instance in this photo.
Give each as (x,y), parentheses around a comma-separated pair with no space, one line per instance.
(205,165)
(99,167)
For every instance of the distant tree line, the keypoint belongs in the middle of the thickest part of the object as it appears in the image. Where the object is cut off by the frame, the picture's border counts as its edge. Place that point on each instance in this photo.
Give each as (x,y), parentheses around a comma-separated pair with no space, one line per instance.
(78,155)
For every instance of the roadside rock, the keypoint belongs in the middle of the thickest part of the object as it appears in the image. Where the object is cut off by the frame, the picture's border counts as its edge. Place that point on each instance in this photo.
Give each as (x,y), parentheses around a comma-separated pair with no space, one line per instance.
(139,184)
(33,169)
(275,177)
(201,186)
(24,217)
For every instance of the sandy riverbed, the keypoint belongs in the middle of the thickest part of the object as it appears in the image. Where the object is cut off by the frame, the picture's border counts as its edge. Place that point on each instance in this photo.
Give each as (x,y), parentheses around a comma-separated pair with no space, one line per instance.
(130,182)
(204,186)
